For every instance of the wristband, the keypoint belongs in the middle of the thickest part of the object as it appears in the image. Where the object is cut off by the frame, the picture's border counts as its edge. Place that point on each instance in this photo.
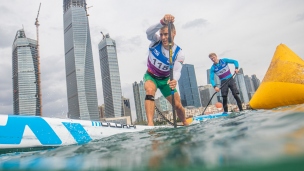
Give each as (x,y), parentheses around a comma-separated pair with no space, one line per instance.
(161,22)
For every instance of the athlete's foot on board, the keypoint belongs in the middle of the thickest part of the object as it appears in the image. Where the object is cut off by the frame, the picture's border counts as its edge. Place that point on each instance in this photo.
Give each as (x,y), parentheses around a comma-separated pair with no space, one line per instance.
(150,124)
(185,123)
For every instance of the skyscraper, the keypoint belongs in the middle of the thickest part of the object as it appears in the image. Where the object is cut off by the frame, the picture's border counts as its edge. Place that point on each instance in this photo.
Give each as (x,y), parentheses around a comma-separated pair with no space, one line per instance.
(80,75)
(240,82)
(101,111)
(249,83)
(249,86)
(25,76)
(126,107)
(206,93)
(255,81)
(188,87)
(139,99)
(110,77)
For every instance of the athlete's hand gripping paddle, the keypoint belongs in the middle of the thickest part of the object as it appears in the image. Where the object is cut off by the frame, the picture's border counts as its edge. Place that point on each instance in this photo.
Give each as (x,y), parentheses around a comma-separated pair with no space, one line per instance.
(171,71)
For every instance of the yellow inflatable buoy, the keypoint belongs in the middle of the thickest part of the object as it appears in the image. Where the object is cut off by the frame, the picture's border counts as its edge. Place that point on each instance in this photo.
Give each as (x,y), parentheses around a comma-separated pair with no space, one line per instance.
(283,83)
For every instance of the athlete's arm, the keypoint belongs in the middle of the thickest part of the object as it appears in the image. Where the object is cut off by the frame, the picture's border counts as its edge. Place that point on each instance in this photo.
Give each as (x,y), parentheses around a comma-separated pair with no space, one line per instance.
(232,61)
(178,64)
(212,76)
(151,32)
(217,89)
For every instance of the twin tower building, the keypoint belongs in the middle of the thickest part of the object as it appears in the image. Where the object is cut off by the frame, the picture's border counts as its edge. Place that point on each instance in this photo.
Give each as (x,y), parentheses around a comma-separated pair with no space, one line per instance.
(79,65)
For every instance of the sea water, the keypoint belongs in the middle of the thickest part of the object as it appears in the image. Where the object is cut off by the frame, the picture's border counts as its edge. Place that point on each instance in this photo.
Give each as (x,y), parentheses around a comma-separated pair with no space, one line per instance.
(254,140)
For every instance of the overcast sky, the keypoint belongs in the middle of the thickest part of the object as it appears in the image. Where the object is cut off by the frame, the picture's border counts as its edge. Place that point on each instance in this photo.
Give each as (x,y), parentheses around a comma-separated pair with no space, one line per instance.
(248,31)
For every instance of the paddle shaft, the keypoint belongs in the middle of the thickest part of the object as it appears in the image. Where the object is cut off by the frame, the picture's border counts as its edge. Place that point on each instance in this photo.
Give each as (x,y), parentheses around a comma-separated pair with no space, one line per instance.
(216,92)
(171,71)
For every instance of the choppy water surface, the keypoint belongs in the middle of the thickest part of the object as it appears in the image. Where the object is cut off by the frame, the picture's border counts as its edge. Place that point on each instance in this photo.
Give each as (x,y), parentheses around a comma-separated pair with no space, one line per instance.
(256,140)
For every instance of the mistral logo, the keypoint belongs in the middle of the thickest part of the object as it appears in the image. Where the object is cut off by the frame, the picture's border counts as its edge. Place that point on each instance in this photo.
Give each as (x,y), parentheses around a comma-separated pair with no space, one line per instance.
(12,132)
(156,52)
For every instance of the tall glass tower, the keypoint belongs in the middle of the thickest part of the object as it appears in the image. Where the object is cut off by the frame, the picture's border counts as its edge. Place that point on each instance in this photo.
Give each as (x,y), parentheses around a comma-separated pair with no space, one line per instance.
(249,86)
(139,99)
(110,77)
(240,82)
(188,87)
(126,107)
(25,76)
(80,75)
(206,93)
(255,81)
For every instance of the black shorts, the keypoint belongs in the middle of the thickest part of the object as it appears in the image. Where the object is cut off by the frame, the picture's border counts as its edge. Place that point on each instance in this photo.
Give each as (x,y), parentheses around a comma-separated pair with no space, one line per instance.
(231,84)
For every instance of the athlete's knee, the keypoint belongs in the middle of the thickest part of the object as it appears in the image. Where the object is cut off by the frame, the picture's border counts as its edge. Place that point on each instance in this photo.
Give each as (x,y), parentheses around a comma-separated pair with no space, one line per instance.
(150,90)
(236,96)
(149,97)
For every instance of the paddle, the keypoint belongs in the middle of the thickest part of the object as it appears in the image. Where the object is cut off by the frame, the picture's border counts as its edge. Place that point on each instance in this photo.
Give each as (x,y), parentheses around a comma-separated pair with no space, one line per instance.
(171,71)
(216,92)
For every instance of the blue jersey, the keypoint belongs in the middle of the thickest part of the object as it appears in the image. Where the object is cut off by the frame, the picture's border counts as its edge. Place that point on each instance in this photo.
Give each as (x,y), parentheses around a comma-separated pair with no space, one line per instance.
(222,69)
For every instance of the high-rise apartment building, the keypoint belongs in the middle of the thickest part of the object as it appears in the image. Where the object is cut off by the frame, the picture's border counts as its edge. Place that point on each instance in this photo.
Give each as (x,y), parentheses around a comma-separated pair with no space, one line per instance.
(240,82)
(249,83)
(110,77)
(126,107)
(101,111)
(206,93)
(255,81)
(26,100)
(139,99)
(80,75)
(188,87)
(249,86)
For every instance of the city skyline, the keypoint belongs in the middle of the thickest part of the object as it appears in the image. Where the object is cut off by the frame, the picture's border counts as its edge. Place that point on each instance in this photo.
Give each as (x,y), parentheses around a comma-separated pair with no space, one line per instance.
(204,26)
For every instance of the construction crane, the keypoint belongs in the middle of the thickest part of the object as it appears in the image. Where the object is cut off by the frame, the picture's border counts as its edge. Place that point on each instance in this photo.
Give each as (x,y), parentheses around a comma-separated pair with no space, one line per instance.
(87,10)
(39,96)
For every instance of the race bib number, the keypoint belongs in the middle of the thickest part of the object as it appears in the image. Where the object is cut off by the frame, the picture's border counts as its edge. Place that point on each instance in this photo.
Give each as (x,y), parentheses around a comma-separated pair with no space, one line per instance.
(222,71)
(158,64)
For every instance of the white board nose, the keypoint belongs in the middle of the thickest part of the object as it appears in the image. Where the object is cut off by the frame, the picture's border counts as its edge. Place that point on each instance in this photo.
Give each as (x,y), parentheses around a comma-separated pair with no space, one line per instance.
(3,119)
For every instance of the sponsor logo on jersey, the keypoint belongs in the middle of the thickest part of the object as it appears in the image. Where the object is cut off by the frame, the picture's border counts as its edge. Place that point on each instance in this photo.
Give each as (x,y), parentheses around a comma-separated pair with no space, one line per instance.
(156,52)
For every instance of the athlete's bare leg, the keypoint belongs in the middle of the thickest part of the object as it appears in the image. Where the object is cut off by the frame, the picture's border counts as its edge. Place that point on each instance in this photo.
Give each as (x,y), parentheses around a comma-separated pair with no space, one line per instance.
(150,88)
(180,111)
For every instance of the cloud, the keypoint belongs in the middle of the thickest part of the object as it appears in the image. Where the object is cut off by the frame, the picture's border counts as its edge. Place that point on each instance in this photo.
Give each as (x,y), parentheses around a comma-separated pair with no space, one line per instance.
(195,23)
(6,92)
(224,53)
(7,36)
(53,85)
(125,44)
(300,17)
